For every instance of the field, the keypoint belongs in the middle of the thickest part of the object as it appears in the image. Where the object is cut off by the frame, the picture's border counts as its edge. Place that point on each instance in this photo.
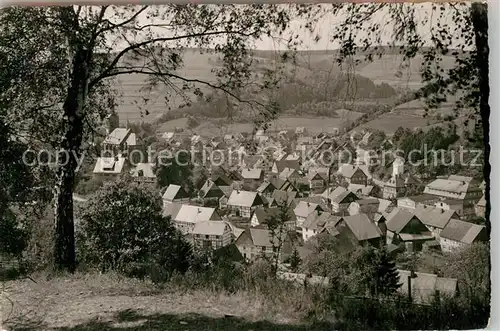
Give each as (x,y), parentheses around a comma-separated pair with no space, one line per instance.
(313,124)
(389,123)
(95,302)
(132,95)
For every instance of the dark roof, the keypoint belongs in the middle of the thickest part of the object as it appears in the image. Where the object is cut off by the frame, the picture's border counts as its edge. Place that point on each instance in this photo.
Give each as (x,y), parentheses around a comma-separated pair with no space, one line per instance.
(362,227)
(461,231)
(398,219)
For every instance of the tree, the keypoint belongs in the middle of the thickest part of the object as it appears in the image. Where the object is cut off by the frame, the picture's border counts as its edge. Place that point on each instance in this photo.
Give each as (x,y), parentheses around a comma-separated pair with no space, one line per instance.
(433,35)
(386,276)
(123,229)
(277,225)
(65,60)
(295,260)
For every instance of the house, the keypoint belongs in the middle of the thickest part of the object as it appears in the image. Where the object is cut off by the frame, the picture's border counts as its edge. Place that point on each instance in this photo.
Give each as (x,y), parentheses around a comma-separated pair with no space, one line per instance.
(435,218)
(144,173)
(481,207)
(424,286)
(175,193)
(243,203)
(341,202)
(455,187)
(279,166)
(353,174)
(404,228)
(211,235)
(261,215)
(251,176)
(361,229)
(368,206)
(290,174)
(451,204)
(109,168)
(362,190)
(267,188)
(394,188)
(317,182)
(185,217)
(221,179)
(457,234)
(315,223)
(280,197)
(411,202)
(120,141)
(304,209)
(257,242)
(210,191)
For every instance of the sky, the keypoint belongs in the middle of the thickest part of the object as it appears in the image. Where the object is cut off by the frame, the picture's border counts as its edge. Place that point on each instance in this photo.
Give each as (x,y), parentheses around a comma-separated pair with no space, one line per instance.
(323,30)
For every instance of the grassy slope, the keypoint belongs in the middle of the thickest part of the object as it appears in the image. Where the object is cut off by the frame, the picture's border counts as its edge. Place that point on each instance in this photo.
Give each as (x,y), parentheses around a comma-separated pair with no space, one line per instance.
(104,302)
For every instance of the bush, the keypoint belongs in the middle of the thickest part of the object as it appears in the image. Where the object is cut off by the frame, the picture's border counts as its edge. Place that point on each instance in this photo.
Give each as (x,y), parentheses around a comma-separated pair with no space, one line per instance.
(122,229)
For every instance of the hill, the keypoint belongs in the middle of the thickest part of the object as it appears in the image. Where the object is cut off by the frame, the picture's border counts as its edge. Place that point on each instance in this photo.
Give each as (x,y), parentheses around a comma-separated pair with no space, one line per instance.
(315,77)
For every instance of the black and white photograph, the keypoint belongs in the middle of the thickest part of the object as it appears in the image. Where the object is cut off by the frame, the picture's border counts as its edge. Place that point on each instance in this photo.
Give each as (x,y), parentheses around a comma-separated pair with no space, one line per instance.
(251,167)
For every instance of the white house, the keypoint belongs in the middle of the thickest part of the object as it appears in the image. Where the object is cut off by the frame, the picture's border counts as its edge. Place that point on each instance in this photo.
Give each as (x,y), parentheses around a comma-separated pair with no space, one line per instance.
(458,234)
(109,168)
(175,193)
(304,209)
(244,203)
(185,217)
(317,221)
(211,235)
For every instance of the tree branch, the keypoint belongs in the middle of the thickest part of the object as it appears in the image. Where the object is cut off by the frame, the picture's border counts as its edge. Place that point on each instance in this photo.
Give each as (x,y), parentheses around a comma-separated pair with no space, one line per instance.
(112,26)
(108,70)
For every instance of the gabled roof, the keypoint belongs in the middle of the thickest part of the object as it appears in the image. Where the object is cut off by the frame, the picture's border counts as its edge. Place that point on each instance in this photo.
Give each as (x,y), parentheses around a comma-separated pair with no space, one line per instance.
(146,168)
(263,214)
(244,199)
(221,180)
(266,185)
(342,196)
(282,164)
(364,189)
(120,136)
(109,165)
(420,198)
(304,208)
(195,214)
(434,216)
(447,185)
(362,227)
(313,175)
(319,220)
(461,231)
(210,190)
(424,285)
(174,192)
(332,194)
(287,172)
(348,170)
(211,228)
(482,201)
(248,173)
(171,209)
(398,219)
(282,196)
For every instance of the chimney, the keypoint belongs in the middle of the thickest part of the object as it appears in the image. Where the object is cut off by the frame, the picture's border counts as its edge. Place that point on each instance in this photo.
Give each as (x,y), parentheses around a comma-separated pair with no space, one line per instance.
(442,211)
(116,158)
(199,211)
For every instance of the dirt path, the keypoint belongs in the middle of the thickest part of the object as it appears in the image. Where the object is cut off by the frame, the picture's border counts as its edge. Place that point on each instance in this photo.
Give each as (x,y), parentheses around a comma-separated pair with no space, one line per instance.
(101,303)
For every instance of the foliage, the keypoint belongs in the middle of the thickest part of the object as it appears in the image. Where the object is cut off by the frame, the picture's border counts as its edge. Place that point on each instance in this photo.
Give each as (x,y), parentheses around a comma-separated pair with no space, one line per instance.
(295,260)
(123,229)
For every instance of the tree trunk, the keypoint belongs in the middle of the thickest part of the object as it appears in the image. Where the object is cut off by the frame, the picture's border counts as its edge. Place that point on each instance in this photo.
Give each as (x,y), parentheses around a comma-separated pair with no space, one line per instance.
(64,244)
(479,17)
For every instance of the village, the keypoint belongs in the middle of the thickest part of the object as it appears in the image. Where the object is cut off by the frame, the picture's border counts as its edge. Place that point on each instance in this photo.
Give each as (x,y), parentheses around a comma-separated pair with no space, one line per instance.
(407,213)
